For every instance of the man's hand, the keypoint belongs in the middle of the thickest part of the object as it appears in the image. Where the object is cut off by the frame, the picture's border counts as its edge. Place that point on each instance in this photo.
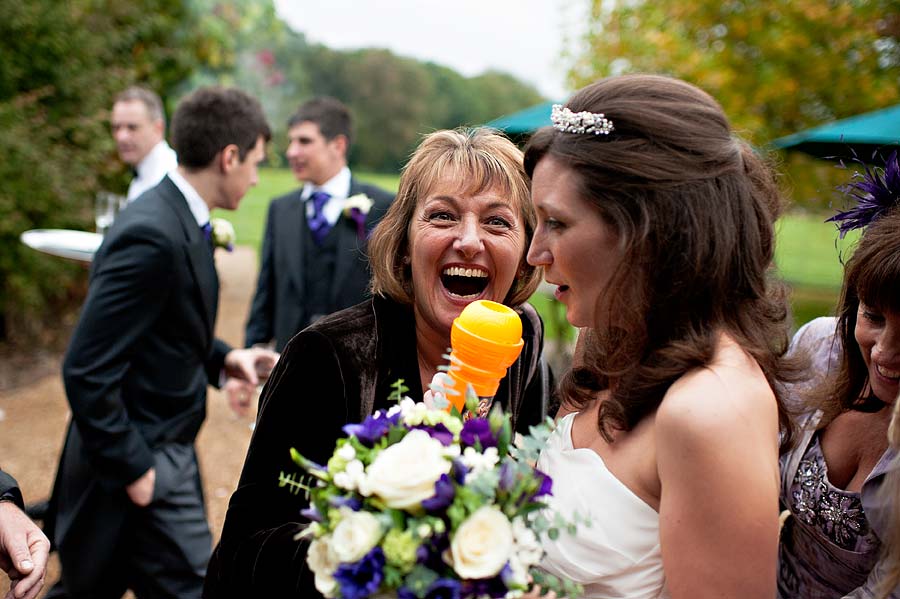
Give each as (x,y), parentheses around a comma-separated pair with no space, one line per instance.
(140,492)
(23,552)
(250,365)
(240,395)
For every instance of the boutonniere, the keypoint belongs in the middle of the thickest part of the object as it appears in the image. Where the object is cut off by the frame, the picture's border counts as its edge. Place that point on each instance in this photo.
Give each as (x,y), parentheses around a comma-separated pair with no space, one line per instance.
(222,234)
(356,208)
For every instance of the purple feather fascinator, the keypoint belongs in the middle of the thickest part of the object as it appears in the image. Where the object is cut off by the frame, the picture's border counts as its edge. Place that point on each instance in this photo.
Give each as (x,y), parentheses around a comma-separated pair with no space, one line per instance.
(876,192)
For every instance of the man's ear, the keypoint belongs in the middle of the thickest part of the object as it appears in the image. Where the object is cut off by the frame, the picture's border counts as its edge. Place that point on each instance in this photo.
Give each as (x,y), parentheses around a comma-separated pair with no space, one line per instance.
(160,127)
(229,158)
(341,144)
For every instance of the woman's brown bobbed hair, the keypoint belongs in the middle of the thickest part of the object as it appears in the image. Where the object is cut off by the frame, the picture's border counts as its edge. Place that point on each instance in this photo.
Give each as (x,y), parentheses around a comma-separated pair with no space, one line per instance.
(694,209)
(467,161)
(871,277)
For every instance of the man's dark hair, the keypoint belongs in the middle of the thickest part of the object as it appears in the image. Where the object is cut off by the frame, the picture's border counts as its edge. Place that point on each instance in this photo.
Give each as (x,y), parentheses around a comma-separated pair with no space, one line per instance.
(213,117)
(330,114)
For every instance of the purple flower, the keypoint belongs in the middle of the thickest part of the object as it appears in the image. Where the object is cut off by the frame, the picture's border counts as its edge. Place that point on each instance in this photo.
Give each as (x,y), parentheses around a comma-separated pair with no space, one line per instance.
(546,487)
(442,588)
(361,579)
(439,432)
(373,428)
(507,475)
(459,471)
(490,587)
(477,429)
(443,496)
(311,513)
(876,192)
(354,503)
(430,552)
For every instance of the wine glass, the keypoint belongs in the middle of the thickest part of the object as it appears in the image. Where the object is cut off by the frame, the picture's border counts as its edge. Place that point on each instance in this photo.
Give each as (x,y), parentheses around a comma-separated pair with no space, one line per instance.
(106,205)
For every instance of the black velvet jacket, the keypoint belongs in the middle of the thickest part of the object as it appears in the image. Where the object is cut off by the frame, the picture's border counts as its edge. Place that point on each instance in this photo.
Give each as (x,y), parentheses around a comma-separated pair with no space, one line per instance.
(337,371)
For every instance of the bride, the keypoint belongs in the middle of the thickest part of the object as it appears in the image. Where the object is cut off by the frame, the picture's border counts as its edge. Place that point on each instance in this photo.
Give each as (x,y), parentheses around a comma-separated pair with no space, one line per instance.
(656,225)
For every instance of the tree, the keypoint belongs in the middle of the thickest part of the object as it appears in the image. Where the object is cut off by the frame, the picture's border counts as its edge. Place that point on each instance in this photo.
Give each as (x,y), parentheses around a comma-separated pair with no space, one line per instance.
(60,66)
(776,66)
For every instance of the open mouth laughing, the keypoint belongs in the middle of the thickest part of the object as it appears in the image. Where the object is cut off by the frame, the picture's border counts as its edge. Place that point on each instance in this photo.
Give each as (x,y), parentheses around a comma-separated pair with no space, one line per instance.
(465,282)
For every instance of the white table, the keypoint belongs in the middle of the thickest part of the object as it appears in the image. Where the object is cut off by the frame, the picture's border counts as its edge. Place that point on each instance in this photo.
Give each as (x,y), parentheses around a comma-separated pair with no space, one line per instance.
(66,243)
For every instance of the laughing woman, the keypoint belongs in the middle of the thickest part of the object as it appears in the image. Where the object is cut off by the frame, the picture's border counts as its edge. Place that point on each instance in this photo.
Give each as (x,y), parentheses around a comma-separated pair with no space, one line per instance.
(457,232)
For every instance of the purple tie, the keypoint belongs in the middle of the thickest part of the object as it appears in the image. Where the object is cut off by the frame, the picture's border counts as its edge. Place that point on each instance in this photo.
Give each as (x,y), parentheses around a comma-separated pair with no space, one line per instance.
(207,230)
(318,224)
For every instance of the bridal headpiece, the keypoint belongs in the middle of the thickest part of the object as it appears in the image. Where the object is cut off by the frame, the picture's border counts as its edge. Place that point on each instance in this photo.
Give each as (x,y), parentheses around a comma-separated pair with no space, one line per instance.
(567,121)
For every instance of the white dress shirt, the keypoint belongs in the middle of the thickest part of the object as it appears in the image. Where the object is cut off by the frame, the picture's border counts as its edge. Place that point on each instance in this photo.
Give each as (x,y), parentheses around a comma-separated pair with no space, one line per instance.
(196,204)
(338,187)
(150,171)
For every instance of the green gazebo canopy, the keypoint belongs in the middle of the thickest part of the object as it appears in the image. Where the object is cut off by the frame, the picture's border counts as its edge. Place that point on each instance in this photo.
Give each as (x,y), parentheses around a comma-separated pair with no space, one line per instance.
(865,134)
(525,121)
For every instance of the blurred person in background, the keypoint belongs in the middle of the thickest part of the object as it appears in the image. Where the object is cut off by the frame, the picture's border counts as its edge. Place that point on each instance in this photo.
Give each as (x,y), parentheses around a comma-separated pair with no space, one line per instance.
(139,130)
(127,508)
(314,252)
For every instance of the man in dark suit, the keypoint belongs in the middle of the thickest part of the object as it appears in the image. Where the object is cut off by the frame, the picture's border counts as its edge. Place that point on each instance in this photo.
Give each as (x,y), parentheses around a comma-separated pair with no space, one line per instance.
(23,547)
(314,258)
(128,506)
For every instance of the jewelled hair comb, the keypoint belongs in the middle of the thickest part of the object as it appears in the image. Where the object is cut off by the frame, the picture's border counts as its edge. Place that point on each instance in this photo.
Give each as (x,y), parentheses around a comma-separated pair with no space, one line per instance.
(567,121)
(876,192)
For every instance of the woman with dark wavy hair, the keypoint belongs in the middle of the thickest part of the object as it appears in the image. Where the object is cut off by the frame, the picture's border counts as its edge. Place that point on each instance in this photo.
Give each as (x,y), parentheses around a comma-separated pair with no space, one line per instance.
(656,225)
(840,481)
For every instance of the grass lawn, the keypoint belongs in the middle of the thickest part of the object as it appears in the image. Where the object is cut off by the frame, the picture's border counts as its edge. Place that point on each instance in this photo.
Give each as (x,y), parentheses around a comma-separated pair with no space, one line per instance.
(807,253)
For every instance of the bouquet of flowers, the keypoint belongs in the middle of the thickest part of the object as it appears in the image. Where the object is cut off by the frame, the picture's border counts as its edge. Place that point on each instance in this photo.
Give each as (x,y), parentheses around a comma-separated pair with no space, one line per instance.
(418,503)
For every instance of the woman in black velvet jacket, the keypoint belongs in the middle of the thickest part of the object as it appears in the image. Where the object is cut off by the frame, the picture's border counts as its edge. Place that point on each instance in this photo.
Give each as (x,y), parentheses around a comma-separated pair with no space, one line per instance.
(458,231)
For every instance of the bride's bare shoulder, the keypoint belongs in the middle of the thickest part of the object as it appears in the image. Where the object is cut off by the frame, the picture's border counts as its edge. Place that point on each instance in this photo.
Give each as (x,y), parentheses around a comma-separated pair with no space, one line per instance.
(728,396)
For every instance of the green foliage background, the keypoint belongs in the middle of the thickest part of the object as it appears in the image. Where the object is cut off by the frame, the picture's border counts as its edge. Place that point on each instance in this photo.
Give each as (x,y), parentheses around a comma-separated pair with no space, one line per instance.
(60,65)
(776,66)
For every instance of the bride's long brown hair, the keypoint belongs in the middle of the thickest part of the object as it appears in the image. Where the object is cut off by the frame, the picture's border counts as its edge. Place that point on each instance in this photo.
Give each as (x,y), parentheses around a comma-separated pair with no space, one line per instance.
(694,208)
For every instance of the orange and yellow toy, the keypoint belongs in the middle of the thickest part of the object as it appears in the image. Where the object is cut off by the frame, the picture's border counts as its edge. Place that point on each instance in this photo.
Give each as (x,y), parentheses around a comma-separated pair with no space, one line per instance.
(486,338)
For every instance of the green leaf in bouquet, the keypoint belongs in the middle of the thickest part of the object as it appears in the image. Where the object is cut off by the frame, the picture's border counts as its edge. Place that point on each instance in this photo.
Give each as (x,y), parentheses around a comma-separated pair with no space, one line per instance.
(419,580)
(501,427)
(294,484)
(398,390)
(471,399)
(484,484)
(549,582)
(395,435)
(310,466)
(393,576)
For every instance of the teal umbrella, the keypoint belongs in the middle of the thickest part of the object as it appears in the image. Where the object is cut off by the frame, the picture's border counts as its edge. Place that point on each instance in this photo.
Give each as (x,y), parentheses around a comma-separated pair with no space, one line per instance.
(864,134)
(525,121)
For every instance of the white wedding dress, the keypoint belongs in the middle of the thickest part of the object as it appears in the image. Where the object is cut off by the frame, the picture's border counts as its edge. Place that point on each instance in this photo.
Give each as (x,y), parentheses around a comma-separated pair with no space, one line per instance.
(618,555)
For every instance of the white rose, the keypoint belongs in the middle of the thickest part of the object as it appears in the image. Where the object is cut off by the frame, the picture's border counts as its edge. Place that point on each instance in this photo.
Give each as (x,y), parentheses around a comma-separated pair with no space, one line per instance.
(482,544)
(323,562)
(403,475)
(222,232)
(355,535)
